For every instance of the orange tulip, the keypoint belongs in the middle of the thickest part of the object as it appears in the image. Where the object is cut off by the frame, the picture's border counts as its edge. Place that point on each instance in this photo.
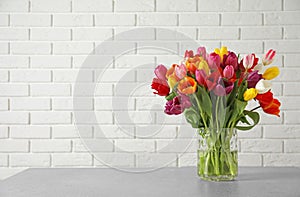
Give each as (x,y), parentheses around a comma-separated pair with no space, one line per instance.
(187,85)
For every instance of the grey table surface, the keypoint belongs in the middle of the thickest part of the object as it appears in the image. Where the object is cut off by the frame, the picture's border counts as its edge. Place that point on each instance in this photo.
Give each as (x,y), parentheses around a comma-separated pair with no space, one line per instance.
(183,182)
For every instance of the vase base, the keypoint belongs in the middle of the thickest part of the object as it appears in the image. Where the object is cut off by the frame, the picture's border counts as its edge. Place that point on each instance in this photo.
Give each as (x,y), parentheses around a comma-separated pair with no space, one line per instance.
(218,178)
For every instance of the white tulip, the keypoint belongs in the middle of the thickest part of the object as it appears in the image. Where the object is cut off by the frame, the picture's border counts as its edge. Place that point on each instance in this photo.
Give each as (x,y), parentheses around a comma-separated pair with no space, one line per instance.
(263,86)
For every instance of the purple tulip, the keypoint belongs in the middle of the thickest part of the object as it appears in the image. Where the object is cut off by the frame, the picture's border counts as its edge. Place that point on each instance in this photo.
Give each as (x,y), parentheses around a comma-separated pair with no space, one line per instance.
(160,72)
(228,87)
(219,90)
(231,59)
(253,78)
(228,72)
(177,105)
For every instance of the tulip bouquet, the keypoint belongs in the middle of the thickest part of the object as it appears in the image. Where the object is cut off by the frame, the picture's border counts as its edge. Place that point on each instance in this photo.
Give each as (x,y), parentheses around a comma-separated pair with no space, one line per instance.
(213,90)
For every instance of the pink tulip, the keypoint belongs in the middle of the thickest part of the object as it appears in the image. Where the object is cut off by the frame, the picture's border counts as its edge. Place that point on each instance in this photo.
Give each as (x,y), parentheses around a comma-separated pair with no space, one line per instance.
(201,77)
(160,72)
(248,61)
(228,72)
(231,59)
(214,61)
(269,57)
(180,71)
(202,52)
(188,54)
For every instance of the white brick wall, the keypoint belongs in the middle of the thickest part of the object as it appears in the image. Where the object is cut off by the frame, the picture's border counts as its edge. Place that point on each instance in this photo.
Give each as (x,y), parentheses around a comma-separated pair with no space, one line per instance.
(43,44)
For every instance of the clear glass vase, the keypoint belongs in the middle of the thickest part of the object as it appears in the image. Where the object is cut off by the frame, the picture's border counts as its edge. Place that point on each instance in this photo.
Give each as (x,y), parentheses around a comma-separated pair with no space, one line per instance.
(217,154)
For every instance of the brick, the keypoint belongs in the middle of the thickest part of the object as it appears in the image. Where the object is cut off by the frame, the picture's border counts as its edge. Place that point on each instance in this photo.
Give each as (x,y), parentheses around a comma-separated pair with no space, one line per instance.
(30,132)
(71,131)
(292,146)
(134,5)
(4,48)
(14,117)
(57,145)
(162,118)
(131,61)
(29,160)
(153,103)
(249,159)
(115,19)
(255,132)
(134,117)
(244,46)
(14,6)
(107,48)
(87,89)
(3,132)
(50,89)
(72,75)
(268,119)
(114,132)
(261,5)
(156,132)
(12,146)
(53,6)
(291,74)
(241,19)
(13,90)
(176,145)
(218,5)
(149,19)
(281,159)
(98,117)
(134,34)
(284,46)
(114,159)
(180,33)
(289,89)
(3,160)
(76,159)
(134,145)
(256,33)
(44,61)
(261,146)
(67,103)
(282,131)
(291,59)
(176,6)
(4,104)
(198,19)
(282,18)
(186,131)
(92,6)
(50,117)
(289,103)
(4,76)
(72,20)
(72,48)
(14,61)
(217,33)
(14,34)
(292,32)
(50,34)
(32,48)
(117,75)
(29,104)
(114,103)
(93,145)
(3,20)
(30,75)
(292,5)
(187,159)
(156,160)
(292,117)
(32,20)
(92,34)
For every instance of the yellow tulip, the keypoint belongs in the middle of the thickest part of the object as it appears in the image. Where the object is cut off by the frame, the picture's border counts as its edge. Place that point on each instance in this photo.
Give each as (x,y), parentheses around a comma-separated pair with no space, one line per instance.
(250,94)
(271,73)
(203,65)
(221,52)
(172,80)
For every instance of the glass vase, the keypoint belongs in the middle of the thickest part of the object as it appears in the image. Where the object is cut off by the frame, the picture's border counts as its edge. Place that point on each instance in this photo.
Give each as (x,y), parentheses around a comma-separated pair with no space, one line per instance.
(217,154)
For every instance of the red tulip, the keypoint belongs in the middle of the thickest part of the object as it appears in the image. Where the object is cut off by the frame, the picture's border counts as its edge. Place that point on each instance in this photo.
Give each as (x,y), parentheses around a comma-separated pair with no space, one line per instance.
(161,86)
(268,103)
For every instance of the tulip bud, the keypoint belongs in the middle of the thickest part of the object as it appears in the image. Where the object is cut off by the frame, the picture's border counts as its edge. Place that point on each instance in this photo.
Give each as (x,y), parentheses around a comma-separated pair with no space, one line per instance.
(202,52)
(160,72)
(228,72)
(248,61)
(269,57)
(188,54)
(271,73)
(250,94)
(263,86)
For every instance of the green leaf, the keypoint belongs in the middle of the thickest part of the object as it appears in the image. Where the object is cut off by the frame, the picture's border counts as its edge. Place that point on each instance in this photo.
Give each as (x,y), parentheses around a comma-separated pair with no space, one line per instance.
(171,96)
(204,101)
(252,115)
(193,117)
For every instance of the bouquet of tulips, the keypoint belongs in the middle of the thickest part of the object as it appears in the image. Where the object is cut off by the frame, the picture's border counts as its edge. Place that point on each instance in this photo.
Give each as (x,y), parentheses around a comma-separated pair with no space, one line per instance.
(213,90)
